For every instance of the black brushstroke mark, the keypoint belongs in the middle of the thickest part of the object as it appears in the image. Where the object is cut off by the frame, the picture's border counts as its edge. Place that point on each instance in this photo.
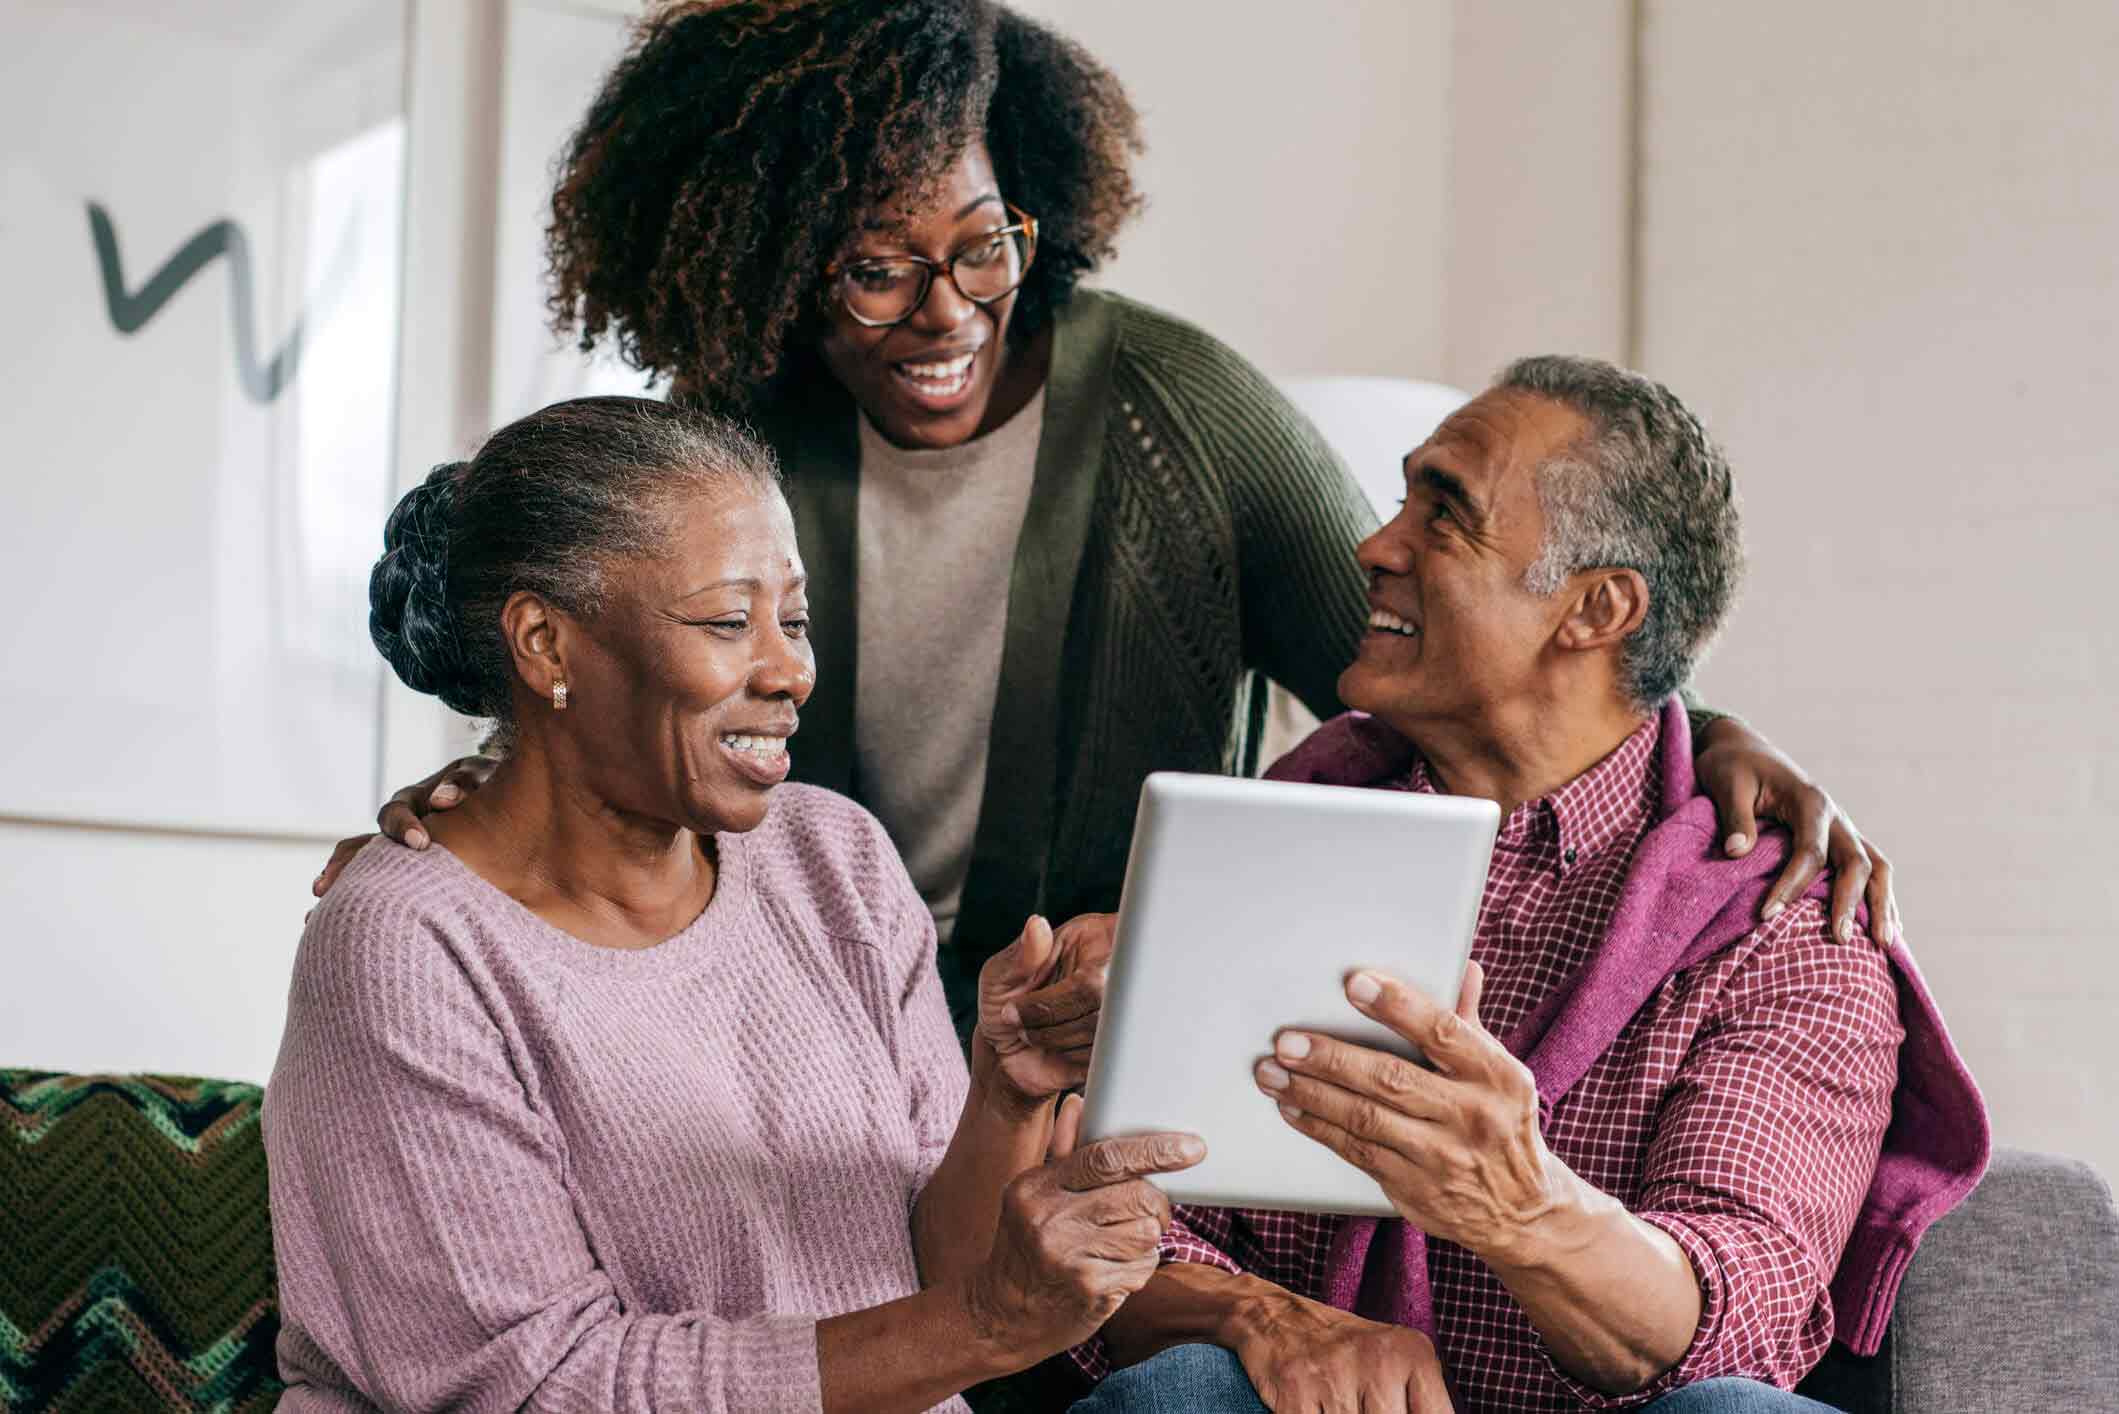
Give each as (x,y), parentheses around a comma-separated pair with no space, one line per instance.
(130,312)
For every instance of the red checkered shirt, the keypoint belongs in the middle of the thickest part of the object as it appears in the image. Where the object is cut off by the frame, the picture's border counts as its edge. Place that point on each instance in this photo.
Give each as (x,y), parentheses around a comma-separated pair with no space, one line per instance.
(1741,1111)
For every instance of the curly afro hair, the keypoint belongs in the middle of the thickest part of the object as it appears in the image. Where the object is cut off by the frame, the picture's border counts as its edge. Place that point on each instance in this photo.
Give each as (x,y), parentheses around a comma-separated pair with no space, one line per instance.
(731,154)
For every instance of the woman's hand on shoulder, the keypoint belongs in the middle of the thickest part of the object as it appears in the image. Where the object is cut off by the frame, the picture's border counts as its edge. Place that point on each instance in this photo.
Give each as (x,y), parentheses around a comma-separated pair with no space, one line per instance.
(400,816)
(1039,1001)
(1748,779)
(1077,1236)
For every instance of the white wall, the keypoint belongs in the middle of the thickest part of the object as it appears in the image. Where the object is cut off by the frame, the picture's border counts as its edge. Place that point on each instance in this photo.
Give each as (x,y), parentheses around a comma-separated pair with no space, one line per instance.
(140,949)
(1881,257)
(1293,176)
(1293,172)
(1878,248)
(161,948)
(143,949)
(1538,196)
(1412,190)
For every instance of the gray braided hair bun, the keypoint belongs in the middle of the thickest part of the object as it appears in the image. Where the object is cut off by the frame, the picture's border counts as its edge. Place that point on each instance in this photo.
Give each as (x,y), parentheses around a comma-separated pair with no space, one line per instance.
(550,500)
(409,616)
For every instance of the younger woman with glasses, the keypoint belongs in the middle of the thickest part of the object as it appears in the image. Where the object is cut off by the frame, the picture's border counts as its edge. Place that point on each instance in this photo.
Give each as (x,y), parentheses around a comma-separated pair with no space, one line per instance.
(1056,539)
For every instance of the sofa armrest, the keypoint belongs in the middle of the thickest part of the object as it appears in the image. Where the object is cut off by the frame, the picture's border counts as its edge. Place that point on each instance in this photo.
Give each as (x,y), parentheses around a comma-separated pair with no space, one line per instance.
(2012,1301)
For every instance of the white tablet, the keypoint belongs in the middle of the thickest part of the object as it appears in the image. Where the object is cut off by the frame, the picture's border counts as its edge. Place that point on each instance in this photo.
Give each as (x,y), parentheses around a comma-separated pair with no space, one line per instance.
(1246,905)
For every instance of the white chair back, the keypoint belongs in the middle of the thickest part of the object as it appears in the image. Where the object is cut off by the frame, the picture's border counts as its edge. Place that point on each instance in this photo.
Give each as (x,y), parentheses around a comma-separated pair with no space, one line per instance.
(1372,423)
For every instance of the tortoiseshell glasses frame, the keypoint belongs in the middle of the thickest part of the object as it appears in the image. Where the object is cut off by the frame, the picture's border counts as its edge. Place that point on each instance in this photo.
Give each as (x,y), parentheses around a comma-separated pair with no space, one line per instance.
(902,283)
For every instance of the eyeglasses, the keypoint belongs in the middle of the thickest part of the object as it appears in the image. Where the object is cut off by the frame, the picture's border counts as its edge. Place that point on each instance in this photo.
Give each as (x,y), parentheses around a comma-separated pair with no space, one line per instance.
(888,289)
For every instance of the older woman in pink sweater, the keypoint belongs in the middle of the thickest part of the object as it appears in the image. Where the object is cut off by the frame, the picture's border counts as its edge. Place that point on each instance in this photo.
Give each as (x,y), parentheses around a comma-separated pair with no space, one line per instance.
(640,1091)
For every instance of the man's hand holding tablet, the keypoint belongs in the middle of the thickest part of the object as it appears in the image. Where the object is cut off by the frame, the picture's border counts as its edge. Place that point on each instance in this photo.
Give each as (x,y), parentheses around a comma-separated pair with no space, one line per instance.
(1247,904)
(1456,1148)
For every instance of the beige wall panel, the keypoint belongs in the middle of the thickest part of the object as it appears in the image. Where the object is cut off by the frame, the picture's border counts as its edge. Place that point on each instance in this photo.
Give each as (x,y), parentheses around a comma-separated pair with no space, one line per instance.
(1295,172)
(1538,196)
(1881,256)
(138,950)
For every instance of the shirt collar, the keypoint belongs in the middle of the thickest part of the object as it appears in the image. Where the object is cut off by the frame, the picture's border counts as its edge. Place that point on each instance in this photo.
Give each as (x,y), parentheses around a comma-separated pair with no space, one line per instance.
(1580,819)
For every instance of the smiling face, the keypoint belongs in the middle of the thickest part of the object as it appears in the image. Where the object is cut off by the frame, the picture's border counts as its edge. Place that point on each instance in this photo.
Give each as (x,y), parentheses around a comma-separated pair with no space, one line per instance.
(684,688)
(1453,631)
(944,374)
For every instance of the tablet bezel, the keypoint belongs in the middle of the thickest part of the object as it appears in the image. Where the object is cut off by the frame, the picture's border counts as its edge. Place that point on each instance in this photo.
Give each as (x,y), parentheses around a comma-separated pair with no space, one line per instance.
(1246,904)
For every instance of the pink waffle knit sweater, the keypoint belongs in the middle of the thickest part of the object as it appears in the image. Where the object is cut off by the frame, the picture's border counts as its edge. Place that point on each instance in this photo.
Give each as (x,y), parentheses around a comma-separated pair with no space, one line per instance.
(513,1169)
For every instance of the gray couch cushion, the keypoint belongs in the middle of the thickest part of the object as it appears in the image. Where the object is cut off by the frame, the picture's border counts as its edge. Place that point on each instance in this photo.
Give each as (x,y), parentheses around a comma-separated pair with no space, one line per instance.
(2012,1301)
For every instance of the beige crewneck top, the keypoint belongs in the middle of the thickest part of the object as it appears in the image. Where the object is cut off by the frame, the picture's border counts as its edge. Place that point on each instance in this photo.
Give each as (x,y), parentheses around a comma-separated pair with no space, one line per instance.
(937,548)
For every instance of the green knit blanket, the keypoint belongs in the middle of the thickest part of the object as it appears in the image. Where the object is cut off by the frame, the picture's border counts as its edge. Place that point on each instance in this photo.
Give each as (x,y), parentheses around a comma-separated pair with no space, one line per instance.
(135,1245)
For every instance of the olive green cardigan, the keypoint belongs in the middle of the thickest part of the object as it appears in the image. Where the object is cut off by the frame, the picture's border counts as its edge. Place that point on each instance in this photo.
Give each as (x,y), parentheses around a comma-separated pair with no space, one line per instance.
(1188,530)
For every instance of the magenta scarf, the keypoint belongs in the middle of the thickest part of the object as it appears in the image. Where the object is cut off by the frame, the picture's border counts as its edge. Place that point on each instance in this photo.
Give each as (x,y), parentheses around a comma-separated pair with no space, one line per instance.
(1682,903)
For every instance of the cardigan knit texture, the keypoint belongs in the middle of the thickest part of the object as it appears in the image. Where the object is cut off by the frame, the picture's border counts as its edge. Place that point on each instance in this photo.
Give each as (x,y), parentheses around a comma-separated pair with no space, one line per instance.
(512,1169)
(1188,530)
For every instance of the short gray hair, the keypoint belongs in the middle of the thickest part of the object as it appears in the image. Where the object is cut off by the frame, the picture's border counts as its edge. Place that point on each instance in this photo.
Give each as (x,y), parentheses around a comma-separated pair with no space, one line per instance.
(1647,490)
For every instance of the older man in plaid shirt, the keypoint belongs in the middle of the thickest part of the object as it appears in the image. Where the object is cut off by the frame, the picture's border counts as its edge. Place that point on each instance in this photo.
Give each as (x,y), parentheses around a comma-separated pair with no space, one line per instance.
(1667,1230)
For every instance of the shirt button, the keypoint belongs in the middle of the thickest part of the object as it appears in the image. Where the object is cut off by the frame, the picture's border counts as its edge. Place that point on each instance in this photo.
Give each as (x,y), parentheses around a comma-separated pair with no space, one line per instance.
(1570,856)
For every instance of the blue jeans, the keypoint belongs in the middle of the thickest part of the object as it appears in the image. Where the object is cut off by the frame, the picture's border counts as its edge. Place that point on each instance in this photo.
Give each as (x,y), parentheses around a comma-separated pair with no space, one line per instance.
(1734,1396)
(1185,1379)
(1206,1379)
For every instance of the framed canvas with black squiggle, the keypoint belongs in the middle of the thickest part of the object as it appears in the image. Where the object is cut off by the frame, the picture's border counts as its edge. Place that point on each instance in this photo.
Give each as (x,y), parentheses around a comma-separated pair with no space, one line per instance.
(202,230)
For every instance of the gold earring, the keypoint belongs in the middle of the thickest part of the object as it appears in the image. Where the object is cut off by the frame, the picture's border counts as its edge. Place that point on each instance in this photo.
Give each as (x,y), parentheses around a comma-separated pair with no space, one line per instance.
(559,695)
